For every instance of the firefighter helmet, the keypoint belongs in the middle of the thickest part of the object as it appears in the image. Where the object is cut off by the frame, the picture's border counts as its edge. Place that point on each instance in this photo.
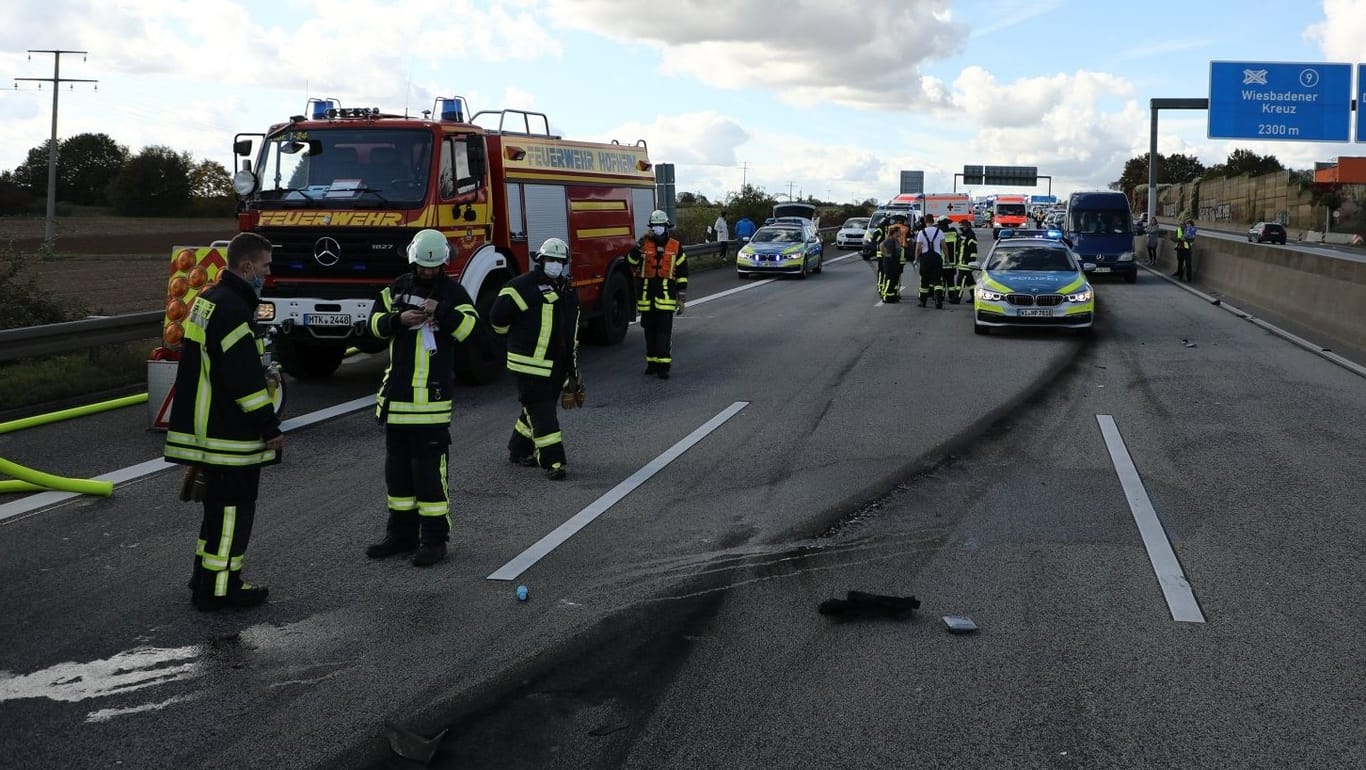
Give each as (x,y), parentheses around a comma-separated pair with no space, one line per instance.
(658,217)
(553,248)
(945,222)
(429,248)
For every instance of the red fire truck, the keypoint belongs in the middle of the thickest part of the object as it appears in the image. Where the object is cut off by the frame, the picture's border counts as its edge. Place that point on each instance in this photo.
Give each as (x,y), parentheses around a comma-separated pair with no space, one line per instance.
(341,191)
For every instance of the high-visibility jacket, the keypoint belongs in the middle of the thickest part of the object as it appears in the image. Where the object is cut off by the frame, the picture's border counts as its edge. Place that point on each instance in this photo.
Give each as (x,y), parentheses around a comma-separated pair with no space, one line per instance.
(663,273)
(896,239)
(967,251)
(950,252)
(541,321)
(222,414)
(416,389)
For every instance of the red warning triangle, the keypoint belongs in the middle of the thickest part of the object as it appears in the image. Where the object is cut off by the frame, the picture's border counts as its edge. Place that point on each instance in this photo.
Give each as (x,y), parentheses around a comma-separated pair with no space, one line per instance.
(163,419)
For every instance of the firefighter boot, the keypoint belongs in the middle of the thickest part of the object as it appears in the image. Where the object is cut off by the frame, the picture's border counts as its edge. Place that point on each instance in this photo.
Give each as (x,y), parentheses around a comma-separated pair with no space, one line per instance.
(436,530)
(400,536)
(239,595)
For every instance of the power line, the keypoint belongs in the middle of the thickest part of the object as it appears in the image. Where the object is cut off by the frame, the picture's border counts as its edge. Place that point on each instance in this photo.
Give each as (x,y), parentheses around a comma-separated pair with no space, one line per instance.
(50,231)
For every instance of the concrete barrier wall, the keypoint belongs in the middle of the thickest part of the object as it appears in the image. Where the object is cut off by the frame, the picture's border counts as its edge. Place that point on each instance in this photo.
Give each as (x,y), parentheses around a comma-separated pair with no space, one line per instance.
(1318,292)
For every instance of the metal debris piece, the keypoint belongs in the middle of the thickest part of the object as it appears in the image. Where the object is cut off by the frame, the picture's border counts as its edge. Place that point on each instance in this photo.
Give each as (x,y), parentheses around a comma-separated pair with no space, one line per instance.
(410,745)
(959,624)
(860,605)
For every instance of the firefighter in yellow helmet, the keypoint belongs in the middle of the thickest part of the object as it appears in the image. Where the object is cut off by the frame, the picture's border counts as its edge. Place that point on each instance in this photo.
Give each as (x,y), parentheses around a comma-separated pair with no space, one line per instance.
(539,312)
(423,314)
(662,269)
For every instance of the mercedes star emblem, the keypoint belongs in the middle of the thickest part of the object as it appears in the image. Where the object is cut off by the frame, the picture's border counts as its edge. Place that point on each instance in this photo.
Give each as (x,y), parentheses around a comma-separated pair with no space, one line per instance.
(327,251)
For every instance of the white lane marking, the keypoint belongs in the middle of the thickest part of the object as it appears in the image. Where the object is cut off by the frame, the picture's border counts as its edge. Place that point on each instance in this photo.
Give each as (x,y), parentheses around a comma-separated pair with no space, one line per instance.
(132,472)
(1177,590)
(1293,339)
(583,518)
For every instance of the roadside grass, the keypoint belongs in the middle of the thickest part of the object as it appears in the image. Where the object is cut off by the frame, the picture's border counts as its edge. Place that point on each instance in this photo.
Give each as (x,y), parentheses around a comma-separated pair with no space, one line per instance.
(33,381)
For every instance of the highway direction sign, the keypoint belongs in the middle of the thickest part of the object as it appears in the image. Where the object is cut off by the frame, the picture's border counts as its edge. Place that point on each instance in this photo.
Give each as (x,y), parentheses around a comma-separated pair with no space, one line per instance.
(1288,101)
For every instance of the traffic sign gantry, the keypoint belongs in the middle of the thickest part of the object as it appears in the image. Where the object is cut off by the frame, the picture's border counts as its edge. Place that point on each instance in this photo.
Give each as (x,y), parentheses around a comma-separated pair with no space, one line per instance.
(1019,176)
(1295,101)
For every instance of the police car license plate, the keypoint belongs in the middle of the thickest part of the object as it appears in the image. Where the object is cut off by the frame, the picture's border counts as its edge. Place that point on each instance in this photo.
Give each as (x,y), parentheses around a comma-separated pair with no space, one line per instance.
(1102,270)
(327,319)
(1036,312)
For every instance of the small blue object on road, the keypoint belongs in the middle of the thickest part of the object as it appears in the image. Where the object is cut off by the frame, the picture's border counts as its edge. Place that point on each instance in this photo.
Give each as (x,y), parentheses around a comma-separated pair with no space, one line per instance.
(521,593)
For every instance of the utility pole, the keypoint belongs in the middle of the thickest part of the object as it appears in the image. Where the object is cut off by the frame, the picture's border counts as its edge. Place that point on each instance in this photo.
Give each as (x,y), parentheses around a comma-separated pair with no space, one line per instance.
(790,185)
(50,231)
(744,174)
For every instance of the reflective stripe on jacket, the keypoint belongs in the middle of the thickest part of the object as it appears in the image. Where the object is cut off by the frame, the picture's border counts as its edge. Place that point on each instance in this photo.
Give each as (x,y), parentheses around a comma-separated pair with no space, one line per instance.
(416,389)
(541,322)
(662,273)
(222,413)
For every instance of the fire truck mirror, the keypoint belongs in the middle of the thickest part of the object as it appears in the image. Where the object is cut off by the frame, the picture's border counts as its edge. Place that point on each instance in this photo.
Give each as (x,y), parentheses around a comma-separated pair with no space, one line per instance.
(242,147)
(478,164)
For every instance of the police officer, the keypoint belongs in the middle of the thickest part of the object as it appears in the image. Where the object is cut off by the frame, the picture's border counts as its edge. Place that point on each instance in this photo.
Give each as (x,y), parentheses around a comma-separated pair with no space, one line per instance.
(960,279)
(892,259)
(929,246)
(539,313)
(423,314)
(662,269)
(223,422)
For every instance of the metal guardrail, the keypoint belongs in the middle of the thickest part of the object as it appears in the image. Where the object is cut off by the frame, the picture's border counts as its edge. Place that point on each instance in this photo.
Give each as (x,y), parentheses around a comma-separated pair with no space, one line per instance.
(31,341)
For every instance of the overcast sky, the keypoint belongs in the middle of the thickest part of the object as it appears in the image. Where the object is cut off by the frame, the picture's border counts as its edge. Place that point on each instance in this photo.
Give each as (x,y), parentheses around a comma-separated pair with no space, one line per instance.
(824,98)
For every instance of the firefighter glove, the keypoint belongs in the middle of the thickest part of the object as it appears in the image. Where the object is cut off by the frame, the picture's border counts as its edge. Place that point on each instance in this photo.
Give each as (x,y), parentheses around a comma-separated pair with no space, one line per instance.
(682,302)
(572,396)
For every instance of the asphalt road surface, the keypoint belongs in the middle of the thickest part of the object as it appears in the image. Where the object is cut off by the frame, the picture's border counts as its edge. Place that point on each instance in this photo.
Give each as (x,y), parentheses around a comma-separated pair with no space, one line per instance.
(847,445)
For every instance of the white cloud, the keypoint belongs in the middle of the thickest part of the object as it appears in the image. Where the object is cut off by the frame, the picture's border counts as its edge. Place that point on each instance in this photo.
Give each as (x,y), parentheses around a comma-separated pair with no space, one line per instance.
(785,46)
(701,138)
(1342,33)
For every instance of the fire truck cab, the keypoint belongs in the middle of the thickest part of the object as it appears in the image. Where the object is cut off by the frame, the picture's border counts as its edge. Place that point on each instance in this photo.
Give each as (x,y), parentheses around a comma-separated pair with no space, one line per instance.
(340,192)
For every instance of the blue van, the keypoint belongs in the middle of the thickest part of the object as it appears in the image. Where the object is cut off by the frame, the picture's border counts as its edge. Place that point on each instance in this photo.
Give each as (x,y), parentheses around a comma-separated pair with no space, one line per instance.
(1101,230)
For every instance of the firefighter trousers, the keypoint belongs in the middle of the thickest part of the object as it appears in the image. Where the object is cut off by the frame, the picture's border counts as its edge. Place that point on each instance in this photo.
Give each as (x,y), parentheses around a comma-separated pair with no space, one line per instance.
(931,279)
(229,513)
(537,431)
(957,280)
(889,278)
(658,326)
(415,470)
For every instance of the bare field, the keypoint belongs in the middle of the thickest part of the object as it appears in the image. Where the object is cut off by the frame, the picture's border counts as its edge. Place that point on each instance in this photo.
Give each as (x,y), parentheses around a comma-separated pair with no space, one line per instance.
(109,265)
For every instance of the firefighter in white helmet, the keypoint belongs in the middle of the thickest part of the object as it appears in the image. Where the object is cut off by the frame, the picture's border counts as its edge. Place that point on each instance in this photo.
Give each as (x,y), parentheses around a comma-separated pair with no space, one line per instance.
(539,312)
(423,314)
(662,269)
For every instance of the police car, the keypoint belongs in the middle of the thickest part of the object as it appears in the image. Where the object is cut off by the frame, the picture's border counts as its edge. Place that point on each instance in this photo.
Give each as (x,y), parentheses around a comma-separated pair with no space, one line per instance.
(1032,278)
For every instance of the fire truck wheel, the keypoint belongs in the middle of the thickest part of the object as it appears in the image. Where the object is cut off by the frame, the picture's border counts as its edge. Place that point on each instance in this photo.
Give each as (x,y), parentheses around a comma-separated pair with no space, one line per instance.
(308,362)
(616,311)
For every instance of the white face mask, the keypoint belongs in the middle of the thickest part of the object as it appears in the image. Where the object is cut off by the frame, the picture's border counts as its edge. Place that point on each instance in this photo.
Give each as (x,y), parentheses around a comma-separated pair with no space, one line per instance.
(553,268)
(657,229)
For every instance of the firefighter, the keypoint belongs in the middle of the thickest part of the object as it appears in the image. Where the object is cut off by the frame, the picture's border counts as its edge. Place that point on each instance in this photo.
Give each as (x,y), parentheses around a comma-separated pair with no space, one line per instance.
(223,423)
(960,280)
(892,259)
(879,233)
(929,245)
(949,261)
(423,314)
(662,269)
(539,313)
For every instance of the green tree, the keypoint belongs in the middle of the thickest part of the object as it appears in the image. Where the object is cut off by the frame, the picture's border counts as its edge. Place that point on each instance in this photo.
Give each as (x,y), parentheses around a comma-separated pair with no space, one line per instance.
(1247,163)
(1178,169)
(687,199)
(15,198)
(210,179)
(155,182)
(749,201)
(87,163)
(32,173)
